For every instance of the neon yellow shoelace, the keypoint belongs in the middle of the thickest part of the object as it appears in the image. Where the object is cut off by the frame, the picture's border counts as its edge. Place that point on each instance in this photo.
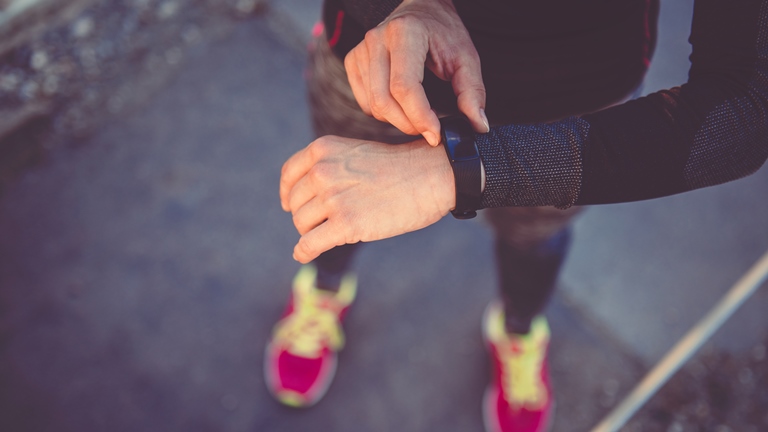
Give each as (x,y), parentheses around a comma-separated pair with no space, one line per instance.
(521,376)
(521,359)
(314,324)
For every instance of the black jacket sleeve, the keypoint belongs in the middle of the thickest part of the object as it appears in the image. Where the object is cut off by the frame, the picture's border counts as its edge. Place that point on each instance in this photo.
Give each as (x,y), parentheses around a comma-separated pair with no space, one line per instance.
(711,130)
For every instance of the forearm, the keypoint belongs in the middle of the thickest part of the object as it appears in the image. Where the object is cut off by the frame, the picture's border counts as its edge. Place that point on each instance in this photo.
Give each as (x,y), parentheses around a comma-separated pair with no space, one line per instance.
(711,130)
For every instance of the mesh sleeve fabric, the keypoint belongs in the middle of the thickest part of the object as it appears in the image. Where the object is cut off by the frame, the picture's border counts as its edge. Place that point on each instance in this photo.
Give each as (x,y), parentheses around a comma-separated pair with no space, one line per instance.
(709,131)
(533,165)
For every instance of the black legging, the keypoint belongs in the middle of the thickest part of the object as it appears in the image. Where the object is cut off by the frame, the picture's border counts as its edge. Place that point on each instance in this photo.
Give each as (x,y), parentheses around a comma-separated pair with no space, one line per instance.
(527,278)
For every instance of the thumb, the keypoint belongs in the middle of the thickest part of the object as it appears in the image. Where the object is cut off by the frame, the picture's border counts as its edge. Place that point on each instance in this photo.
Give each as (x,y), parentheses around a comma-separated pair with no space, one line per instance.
(468,85)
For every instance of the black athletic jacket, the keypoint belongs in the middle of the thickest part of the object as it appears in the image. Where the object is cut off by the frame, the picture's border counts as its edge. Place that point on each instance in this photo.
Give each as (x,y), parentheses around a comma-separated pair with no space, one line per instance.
(548,62)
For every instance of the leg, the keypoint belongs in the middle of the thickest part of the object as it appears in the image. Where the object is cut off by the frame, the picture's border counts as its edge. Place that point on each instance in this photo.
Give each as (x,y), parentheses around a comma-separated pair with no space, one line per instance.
(301,357)
(531,244)
(530,247)
(332,265)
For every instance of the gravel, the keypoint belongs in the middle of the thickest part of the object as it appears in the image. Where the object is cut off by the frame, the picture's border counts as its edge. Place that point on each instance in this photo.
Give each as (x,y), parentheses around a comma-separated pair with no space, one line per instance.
(715,391)
(103,62)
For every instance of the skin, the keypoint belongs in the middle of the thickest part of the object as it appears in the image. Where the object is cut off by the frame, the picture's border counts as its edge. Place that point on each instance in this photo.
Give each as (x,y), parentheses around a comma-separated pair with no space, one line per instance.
(342,190)
(387,68)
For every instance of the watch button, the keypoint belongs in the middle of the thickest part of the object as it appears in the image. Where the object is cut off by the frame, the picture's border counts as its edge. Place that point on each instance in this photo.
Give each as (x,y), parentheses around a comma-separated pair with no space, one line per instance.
(469,214)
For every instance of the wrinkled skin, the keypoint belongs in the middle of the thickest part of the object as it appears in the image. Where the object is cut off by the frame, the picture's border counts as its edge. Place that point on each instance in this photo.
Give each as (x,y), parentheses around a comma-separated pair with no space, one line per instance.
(341,190)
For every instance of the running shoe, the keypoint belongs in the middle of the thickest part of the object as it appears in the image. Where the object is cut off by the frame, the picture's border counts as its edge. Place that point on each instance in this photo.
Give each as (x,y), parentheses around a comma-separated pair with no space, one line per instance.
(300,359)
(519,397)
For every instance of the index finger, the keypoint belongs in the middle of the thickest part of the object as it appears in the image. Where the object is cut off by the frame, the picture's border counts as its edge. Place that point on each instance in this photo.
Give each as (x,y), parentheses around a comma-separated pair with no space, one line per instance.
(468,85)
(406,77)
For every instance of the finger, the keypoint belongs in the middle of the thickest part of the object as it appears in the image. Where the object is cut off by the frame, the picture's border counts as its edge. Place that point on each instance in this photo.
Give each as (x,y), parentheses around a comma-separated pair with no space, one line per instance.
(361,60)
(356,81)
(325,237)
(383,106)
(309,216)
(407,75)
(301,193)
(293,169)
(468,85)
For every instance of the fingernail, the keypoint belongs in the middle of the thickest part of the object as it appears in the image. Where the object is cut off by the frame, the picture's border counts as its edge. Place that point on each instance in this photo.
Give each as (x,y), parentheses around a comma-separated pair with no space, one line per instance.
(485,120)
(431,138)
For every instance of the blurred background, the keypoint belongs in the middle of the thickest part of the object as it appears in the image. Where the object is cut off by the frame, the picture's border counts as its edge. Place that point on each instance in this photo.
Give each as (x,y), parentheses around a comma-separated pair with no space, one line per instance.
(144,256)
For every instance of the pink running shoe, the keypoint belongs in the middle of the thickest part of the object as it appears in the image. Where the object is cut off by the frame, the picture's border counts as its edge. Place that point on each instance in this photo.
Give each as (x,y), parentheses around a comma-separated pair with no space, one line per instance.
(519,397)
(300,359)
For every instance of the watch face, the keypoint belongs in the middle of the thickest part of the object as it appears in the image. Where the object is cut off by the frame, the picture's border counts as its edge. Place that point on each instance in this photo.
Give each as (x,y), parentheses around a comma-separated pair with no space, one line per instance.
(460,147)
(459,140)
(467,151)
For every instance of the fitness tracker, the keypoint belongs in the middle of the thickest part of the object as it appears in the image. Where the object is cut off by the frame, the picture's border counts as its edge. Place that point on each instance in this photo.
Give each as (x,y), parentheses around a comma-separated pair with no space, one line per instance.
(459,142)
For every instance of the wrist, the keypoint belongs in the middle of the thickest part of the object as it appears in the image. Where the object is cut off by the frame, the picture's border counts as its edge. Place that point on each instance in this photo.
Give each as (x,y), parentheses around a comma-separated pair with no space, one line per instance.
(432,161)
(446,189)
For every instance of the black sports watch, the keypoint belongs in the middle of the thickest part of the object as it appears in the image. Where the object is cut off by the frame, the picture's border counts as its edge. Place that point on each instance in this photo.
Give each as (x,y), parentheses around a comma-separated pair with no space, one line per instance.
(459,142)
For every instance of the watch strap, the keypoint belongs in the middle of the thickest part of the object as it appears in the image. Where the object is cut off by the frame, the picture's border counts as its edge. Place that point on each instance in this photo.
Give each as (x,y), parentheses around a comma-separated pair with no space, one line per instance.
(459,141)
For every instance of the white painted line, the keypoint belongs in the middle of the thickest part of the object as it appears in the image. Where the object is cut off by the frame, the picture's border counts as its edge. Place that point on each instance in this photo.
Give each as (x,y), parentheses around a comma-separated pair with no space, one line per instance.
(16,8)
(686,347)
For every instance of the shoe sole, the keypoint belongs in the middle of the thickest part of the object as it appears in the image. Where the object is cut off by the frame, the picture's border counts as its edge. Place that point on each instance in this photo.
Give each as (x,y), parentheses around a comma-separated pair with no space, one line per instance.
(489,400)
(269,373)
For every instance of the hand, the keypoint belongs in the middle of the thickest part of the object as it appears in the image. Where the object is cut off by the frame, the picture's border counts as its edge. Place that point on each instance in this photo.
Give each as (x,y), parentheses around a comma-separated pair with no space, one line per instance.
(343,190)
(387,68)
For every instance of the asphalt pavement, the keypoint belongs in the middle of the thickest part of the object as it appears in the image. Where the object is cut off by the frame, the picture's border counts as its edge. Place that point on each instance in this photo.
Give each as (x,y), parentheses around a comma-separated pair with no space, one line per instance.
(141,272)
